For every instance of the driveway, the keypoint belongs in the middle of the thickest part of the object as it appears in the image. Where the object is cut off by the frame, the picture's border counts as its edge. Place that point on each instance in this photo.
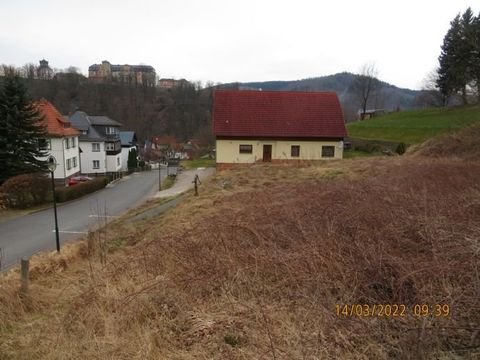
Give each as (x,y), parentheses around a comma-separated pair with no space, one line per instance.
(29,234)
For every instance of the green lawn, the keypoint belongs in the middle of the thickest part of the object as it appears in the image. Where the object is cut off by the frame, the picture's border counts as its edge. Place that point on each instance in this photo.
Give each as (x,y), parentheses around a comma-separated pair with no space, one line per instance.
(193,164)
(416,126)
(352,154)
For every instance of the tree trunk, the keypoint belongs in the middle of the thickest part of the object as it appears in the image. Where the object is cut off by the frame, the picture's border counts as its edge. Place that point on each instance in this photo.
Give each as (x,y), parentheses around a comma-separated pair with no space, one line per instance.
(464,95)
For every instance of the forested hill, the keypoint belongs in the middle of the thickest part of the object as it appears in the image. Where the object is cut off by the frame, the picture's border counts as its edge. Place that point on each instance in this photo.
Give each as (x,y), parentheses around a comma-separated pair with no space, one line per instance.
(389,97)
(184,112)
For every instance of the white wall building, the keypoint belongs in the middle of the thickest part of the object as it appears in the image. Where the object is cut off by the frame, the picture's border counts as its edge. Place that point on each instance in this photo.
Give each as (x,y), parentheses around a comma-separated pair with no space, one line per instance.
(99,143)
(128,140)
(62,142)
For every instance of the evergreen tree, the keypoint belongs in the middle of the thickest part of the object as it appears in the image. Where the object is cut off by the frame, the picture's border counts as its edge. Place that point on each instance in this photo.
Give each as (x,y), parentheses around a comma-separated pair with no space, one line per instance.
(475,56)
(465,52)
(132,159)
(22,137)
(448,81)
(459,60)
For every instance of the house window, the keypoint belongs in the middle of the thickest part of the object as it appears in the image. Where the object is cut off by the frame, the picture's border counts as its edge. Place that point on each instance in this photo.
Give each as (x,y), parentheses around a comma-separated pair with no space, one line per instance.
(74,161)
(110,146)
(67,143)
(69,164)
(96,164)
(110,131)
(118,161)
(73,142)
(295,151)
(95,147)
(245,149)
(328,151)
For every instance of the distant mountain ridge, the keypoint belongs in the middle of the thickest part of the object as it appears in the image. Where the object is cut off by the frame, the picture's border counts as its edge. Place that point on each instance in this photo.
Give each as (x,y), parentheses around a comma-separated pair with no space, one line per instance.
(389,97)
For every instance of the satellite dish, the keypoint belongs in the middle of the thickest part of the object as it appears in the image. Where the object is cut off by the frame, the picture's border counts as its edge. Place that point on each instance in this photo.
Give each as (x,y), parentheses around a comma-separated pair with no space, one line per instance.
(51,163)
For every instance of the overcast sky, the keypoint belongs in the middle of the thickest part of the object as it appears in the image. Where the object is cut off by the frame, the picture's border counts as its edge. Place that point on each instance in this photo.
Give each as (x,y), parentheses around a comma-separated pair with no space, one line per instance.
(226,41)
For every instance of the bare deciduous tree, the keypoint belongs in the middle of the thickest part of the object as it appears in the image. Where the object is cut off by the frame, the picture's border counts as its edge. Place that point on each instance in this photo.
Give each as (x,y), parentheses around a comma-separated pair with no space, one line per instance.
(30,71)
(365,84)
(431,95)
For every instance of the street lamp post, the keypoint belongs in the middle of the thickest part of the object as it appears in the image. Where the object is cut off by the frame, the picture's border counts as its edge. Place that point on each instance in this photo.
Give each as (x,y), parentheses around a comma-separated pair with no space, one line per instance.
(52,165)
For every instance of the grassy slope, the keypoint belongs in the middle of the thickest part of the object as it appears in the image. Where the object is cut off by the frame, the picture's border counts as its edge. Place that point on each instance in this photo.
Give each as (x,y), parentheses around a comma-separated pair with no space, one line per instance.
(255,265)
(412,127)
(193,164)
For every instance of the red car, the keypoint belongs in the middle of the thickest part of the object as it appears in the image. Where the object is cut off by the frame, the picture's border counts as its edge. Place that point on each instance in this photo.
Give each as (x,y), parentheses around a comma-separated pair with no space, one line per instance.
(78,179)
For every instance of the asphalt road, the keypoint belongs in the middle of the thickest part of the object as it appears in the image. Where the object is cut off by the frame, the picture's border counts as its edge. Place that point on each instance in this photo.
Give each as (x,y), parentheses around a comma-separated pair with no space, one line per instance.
(27,235)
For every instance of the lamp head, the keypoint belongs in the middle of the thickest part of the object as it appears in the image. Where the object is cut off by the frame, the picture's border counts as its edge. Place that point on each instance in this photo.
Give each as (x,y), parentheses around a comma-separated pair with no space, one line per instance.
(51,163)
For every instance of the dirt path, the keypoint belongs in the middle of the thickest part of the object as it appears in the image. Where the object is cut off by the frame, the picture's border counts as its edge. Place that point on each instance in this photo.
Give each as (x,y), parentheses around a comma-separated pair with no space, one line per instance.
(184,181)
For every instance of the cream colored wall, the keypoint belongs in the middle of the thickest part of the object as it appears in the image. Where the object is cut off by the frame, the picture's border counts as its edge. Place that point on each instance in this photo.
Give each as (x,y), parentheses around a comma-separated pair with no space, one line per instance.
(228,150)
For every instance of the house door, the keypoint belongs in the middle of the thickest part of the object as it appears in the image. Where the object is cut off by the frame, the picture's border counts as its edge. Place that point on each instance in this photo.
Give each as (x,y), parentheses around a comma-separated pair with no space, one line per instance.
(267,152)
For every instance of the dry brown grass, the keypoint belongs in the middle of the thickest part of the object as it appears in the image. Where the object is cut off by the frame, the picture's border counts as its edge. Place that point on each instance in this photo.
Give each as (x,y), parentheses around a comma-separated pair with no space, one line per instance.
(254,266)
(463,144)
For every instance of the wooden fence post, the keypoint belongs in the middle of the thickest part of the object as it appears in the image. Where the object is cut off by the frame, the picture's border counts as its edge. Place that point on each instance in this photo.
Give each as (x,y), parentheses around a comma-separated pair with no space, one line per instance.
(25,275)
(196,181)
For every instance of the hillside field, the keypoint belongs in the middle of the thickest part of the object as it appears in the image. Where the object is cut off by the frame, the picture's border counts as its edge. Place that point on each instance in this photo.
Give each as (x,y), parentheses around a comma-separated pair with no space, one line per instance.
(415,126)
(270,262)
(364,258)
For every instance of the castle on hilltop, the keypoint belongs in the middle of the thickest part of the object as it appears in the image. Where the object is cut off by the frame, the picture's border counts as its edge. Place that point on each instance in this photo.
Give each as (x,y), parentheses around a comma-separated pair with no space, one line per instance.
(129,74)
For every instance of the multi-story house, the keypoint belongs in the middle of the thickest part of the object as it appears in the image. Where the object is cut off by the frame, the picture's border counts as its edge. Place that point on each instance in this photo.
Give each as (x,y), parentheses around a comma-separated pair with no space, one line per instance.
(128,74)
(99,143)
(62,142)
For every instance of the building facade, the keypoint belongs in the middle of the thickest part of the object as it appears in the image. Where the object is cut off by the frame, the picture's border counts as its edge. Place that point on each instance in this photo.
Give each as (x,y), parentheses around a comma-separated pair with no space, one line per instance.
(277,126)
(127,74)
(99,143)
(44,71)
(171,83)
(128,140)
(62,142)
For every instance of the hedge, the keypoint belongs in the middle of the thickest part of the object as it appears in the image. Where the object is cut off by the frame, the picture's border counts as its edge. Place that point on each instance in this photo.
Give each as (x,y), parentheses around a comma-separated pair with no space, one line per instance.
(23,191)
(81,189)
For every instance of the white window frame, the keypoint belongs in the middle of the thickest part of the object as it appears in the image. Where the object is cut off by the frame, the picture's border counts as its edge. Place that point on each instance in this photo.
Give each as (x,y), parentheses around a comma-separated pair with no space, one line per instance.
(109,147)
(69,164)
(95,147)
(96,162)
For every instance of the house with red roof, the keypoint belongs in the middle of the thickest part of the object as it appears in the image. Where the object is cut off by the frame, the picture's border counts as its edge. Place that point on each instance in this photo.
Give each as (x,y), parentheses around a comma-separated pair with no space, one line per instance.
(276,126)
(62,142)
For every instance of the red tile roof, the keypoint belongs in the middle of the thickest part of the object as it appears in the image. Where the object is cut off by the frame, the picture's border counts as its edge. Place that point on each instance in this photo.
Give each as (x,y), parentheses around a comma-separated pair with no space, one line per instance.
(57,125)
(278,114)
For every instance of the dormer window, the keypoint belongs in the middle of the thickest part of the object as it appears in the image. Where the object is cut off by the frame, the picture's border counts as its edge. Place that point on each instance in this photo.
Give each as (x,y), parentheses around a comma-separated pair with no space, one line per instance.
(110,130)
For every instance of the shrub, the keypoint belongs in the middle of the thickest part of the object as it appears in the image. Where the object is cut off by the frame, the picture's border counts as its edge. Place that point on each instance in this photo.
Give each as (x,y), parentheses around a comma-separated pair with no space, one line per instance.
(76,191)
(25,190)
(401,148)
(368,147)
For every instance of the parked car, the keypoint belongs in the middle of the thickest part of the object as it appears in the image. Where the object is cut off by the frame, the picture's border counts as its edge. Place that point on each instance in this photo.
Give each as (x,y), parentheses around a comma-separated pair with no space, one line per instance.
(78,179)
